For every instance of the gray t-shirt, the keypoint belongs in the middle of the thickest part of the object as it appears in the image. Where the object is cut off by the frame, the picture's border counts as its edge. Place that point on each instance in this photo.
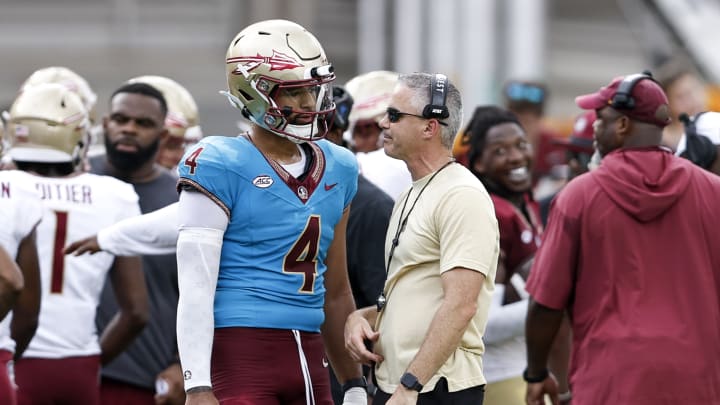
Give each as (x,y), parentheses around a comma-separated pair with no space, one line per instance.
(156,347)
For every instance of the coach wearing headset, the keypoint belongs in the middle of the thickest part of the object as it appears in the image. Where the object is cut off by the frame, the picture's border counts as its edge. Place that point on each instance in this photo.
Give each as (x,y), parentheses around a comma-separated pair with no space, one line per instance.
(441,255)
(627,252)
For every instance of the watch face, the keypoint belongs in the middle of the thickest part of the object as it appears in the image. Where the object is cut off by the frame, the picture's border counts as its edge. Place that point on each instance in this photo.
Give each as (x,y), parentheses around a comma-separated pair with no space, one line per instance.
(409,381)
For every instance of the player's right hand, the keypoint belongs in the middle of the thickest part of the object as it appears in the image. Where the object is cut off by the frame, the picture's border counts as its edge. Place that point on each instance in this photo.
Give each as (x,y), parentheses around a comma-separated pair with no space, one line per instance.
(357,330)
(82,246)
(201,398)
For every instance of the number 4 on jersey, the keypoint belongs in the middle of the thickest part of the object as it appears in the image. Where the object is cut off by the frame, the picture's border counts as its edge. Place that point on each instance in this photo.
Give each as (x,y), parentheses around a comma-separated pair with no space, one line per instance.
(302,257)
(191,161)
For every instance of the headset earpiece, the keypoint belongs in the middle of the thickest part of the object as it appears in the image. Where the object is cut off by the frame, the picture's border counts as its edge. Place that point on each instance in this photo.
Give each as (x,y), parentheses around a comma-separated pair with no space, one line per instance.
(438,95)
(623,99)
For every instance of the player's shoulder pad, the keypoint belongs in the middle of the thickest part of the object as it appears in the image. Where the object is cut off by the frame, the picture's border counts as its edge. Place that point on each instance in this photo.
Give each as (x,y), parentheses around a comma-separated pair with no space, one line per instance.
(22,181)
(212,155)
(119,189)
(338,154)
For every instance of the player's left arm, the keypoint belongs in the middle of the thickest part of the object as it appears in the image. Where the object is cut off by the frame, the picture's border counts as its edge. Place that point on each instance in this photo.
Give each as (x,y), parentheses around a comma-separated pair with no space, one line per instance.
(339,304)
(11,282)
(26,311)
(128,282)
(154,233)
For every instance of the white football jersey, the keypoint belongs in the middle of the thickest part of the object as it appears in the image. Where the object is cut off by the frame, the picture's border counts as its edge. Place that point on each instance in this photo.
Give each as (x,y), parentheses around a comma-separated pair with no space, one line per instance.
(20,211)
(74,208)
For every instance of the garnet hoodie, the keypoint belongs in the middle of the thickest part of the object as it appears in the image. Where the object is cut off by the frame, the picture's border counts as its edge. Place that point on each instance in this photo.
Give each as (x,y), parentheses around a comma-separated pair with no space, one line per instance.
(645,182)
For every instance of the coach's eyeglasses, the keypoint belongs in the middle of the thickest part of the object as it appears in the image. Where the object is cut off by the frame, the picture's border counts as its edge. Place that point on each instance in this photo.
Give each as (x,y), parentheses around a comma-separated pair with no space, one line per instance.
(394,115)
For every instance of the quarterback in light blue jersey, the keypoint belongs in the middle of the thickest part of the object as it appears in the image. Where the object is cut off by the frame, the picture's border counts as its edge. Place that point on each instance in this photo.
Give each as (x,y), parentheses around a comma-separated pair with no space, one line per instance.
(262,269)
(280,229)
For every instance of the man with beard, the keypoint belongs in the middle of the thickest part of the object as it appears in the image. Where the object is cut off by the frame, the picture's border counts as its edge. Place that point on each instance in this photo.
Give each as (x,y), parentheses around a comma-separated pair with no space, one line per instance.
(133,130)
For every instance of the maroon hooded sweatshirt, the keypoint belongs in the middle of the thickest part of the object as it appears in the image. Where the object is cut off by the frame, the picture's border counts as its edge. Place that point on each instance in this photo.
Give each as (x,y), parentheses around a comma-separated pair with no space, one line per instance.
(632,250)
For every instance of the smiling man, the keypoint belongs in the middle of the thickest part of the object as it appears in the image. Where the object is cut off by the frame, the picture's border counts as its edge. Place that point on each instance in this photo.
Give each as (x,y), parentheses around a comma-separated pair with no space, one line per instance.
(501,156)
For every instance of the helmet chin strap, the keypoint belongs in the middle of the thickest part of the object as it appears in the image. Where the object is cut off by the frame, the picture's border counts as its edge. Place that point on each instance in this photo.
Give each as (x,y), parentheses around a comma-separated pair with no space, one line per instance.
(297,133)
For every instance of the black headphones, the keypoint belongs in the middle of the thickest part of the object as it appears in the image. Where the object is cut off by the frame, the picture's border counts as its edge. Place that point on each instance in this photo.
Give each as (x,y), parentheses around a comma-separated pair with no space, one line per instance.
(623,99)
(438,94)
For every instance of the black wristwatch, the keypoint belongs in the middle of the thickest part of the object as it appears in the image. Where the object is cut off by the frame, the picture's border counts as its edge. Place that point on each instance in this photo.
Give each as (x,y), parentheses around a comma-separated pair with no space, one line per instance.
(355,382)
(538,379)
(411,382)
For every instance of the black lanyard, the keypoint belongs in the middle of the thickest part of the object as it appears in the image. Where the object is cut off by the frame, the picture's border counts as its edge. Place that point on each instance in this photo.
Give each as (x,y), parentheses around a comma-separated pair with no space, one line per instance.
(402,222)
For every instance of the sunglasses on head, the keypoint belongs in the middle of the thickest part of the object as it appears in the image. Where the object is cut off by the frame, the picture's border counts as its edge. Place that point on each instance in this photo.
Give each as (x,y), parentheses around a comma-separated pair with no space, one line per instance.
(394,116)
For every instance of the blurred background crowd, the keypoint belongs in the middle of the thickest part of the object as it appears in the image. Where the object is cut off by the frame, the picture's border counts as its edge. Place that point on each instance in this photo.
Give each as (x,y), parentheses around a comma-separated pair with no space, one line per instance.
(571,46)
(531,57)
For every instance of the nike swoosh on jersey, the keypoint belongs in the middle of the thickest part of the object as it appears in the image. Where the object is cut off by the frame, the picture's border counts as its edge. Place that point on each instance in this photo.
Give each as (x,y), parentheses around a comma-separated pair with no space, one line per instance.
(329,187)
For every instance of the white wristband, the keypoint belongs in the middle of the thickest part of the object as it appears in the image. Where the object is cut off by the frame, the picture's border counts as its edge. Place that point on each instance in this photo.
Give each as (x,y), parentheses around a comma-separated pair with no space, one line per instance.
(355,396)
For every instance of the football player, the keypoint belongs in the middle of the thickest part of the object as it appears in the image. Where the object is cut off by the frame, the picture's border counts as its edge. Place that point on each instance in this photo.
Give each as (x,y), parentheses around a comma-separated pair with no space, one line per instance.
(78,85)
(263,280)
(47,125)
(181,120)
(20,213)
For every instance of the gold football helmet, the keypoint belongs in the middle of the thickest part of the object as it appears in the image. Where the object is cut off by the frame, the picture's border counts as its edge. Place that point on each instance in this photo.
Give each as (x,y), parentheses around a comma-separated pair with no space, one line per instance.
(275,57)
(182,110)
(68,78)
(47,123)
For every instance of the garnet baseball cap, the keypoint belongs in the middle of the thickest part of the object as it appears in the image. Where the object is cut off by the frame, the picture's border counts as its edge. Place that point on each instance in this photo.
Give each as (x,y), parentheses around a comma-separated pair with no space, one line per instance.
(581,139)
(651,103)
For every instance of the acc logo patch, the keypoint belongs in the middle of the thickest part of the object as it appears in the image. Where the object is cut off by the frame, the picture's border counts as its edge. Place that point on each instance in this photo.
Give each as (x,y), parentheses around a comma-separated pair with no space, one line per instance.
(263,181)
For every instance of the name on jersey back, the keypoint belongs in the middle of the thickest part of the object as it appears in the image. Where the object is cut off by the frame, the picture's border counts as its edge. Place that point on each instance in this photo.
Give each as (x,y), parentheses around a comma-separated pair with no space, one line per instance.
(70,192)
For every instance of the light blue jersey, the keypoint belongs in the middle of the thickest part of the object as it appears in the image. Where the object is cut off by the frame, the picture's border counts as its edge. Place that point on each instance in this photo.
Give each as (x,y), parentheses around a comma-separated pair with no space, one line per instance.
(273,255)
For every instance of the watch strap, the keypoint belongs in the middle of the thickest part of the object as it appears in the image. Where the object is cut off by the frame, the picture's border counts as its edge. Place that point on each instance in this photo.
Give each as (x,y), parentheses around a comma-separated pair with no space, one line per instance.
(354,382)
(409,381)
(535,379)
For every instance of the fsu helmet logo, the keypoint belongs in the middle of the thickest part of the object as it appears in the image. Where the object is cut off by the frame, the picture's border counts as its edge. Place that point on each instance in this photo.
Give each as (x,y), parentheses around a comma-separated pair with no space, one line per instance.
(278,61)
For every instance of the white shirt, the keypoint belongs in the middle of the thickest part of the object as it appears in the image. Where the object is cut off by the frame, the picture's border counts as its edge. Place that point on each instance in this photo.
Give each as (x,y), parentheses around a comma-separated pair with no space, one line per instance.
(20,212)
(389,174)
(708,124)
(74,208)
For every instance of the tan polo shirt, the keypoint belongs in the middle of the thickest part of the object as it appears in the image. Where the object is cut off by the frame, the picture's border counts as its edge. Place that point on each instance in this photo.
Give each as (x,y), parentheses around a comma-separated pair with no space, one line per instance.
(452,225)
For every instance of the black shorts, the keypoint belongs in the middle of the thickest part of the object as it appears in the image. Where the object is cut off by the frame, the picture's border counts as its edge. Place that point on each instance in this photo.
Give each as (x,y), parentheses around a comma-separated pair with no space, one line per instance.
(441,396)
